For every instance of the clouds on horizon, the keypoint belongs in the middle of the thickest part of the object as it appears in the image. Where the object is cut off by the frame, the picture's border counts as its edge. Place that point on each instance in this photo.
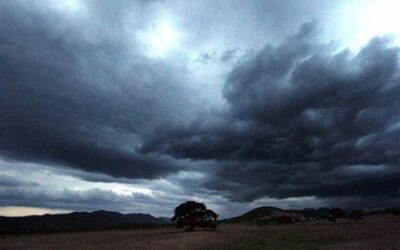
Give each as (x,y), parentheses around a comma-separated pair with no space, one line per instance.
(296,120)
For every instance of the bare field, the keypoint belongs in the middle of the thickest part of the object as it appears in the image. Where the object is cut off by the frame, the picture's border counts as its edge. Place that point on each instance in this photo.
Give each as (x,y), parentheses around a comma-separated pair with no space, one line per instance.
(379,232)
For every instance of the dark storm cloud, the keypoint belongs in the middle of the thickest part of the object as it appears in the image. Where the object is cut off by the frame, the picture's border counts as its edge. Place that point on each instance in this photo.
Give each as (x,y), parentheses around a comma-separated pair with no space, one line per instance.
(302,120)
(9,181)
(293,119)
(206,57)
(213,56)
(44,187)
(79,95)
(93,199)
(229,55)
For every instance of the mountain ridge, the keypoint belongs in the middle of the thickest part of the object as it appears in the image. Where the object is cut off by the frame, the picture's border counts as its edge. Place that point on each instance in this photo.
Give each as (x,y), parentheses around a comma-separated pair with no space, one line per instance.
(78,221)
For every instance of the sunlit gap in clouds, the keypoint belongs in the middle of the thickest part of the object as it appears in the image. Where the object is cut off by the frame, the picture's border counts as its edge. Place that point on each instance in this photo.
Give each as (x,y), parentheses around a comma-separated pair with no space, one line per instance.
(69,6)
(16,211)
(160,38)
(362,20)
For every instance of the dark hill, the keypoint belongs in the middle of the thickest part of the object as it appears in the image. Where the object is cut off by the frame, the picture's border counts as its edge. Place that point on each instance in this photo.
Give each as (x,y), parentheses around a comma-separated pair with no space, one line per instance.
(312,212)
(255,214)
(77,221)
(269,212)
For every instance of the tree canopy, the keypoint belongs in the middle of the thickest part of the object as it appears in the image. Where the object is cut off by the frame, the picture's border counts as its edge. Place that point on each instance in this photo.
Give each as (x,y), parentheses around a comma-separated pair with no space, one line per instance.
(193,214)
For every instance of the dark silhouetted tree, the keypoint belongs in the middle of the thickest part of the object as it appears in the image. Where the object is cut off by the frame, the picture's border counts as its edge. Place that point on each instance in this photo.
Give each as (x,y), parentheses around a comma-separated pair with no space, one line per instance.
(338,213)
(193,214)
(356,215)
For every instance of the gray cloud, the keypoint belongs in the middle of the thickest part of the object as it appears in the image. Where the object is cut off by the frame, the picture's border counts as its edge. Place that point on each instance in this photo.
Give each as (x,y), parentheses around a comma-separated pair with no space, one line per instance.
(229,55)
(10,181)
(70,100)
(292,121)
(93,199)
(298,113)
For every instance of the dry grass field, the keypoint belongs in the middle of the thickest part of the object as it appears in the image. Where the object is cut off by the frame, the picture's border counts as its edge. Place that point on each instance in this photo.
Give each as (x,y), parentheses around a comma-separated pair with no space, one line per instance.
(376,232)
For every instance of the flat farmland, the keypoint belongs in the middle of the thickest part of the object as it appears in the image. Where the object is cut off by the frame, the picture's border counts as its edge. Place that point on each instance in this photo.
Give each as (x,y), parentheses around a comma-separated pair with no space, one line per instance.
(375,232)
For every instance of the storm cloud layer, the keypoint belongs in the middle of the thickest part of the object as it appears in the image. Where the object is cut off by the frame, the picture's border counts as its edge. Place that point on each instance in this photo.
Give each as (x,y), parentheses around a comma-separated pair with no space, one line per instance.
(302,121)
(67,100)
(89,96)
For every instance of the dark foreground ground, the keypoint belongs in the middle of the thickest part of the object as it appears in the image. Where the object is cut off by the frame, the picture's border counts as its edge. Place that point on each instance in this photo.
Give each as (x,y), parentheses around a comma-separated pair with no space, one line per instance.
(378,232)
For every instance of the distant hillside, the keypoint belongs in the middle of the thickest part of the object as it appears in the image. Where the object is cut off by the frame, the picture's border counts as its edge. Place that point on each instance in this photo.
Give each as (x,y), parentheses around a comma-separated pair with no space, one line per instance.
(268,212)
(77,221)
(313,212)
(254,214)
(166,220)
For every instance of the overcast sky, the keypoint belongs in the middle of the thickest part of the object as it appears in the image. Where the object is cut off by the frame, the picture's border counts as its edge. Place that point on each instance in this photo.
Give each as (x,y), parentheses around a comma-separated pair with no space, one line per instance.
(136,106)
